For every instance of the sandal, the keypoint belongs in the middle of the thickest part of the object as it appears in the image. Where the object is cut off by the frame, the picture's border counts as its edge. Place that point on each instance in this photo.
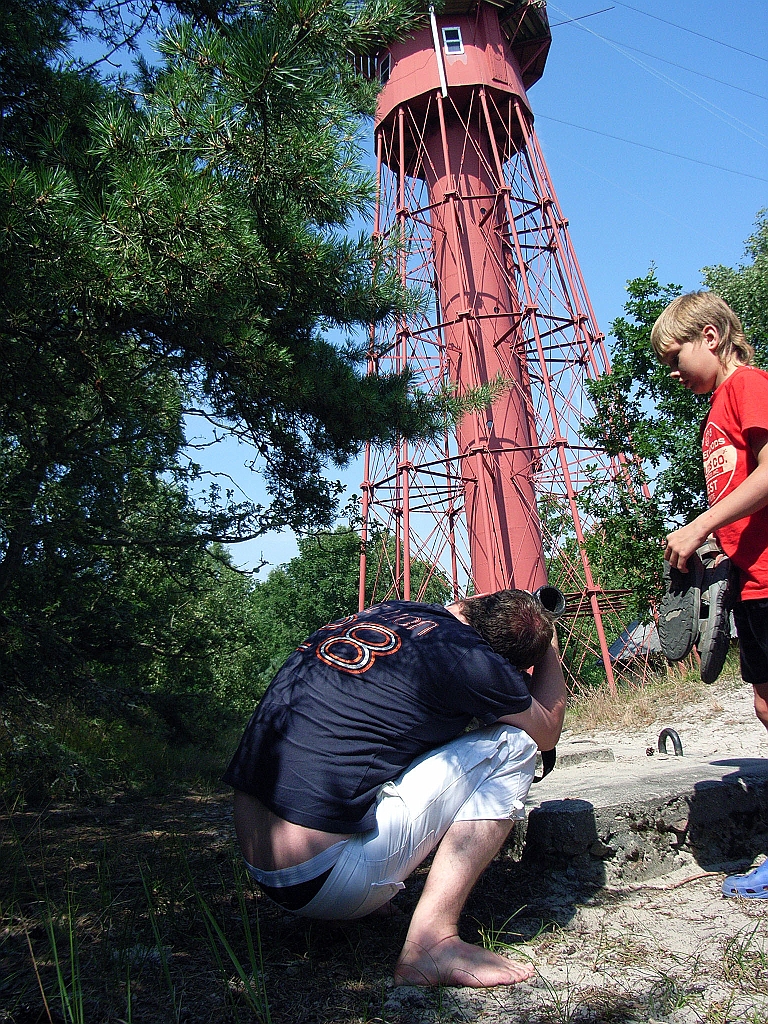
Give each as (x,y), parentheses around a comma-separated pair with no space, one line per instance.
(752,886)
(678,624)
(715,612)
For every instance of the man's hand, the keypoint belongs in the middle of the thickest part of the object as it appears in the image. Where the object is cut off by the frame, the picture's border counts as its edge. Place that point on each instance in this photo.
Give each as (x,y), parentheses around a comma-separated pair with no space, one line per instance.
(543,721)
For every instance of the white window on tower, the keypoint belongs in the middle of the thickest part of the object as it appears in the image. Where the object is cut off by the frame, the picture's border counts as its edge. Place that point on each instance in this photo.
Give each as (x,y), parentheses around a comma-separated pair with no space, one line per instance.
(385,68)
(452,41)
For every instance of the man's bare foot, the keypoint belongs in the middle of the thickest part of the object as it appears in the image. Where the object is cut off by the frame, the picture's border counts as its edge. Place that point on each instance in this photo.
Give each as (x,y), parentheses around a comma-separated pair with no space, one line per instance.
(455,962)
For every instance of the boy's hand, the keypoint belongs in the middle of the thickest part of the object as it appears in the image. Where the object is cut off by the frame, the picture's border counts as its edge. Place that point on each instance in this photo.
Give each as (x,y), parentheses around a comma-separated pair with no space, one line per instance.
(682,543)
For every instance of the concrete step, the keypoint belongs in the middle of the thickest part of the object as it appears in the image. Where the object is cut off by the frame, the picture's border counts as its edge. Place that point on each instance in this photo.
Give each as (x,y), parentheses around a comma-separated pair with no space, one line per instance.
(616,817)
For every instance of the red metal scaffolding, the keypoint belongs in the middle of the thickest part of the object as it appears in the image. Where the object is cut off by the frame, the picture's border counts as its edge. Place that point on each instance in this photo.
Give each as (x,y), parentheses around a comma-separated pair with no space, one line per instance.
(498,500)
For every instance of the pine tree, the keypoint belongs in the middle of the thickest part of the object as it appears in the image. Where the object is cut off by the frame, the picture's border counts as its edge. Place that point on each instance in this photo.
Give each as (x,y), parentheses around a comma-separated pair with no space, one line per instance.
(176,247)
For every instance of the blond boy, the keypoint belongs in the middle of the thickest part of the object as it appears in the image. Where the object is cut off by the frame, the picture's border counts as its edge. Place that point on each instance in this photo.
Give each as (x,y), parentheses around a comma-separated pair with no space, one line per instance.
(701,340)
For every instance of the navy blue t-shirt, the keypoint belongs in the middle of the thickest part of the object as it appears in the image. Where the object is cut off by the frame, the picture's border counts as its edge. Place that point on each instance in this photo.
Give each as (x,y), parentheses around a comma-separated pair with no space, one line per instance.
(360,700)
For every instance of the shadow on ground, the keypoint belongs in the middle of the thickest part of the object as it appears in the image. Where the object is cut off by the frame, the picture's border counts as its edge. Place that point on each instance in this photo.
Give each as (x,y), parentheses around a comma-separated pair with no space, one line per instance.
(728,819)
(147,910)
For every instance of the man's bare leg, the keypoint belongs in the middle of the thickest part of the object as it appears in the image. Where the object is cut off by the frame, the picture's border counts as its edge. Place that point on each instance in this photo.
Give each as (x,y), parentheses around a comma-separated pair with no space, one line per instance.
(433,953)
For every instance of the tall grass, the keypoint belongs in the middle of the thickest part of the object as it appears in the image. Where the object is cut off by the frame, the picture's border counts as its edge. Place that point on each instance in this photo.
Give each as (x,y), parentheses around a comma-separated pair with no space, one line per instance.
(636,706)
(252,980)
(96,950)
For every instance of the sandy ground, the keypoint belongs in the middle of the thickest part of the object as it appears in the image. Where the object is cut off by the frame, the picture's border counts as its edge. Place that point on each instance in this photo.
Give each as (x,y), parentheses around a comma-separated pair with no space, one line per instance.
(672,949)
(723,724)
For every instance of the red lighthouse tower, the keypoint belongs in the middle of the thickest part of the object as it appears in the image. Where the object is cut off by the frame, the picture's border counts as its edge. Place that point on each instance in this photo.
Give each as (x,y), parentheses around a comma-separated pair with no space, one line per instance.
(498,502)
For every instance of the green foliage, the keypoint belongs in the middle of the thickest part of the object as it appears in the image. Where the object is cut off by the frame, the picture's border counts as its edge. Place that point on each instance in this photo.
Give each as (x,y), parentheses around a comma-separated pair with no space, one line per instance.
(641,410)
(745,288)
(647,423)
(90,745)
(159,661)
(624,547)
(171,249)
(33,34)
(318,586)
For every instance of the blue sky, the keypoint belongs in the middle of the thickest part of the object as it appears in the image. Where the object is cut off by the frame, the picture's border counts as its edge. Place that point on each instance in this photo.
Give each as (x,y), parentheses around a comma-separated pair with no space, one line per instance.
(630,206)
(642,151)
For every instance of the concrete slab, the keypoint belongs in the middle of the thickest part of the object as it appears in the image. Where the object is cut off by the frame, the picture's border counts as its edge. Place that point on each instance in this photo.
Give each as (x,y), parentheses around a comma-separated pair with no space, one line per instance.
(638,816)
(580,752)
(605,783)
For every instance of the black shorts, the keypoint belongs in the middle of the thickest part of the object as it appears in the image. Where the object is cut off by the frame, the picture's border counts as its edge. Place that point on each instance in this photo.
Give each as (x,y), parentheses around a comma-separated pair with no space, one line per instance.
(751,618)
(294,897)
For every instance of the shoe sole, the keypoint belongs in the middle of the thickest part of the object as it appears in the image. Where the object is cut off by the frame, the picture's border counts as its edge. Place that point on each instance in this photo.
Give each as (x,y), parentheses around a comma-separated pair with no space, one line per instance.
(679,609)
(715,630)
(715,612)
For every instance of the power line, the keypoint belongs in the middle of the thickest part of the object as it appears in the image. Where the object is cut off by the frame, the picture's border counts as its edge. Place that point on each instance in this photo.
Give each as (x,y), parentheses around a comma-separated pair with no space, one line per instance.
(691,228)
(710,107)
(581,17)
(692,71)
(693,32)
(654,149)
(655,56)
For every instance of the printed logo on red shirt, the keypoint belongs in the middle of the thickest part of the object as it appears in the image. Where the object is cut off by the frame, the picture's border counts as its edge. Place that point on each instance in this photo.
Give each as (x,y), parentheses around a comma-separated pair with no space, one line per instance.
(719,461)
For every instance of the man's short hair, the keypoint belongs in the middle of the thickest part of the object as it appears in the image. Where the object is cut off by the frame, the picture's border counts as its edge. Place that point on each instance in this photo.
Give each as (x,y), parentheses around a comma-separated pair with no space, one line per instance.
(514,623)
(685,318)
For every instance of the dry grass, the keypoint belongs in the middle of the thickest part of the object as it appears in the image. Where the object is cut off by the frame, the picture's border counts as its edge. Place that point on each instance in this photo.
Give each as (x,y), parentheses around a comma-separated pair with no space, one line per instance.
(637,706)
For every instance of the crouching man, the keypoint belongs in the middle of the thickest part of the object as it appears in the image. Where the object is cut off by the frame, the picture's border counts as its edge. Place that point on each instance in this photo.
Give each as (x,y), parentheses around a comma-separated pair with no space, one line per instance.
(357,764)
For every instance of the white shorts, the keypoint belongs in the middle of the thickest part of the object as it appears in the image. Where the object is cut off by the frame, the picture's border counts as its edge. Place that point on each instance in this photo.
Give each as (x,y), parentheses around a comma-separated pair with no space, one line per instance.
(482,775)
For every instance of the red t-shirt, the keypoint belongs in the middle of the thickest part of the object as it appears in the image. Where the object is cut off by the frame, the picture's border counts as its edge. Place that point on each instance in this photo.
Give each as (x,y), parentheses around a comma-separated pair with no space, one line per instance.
(739,404)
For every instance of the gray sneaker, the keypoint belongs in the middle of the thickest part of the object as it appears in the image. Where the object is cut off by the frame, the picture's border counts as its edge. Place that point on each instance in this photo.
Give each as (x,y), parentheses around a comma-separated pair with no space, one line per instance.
(678,623)
(715,610)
